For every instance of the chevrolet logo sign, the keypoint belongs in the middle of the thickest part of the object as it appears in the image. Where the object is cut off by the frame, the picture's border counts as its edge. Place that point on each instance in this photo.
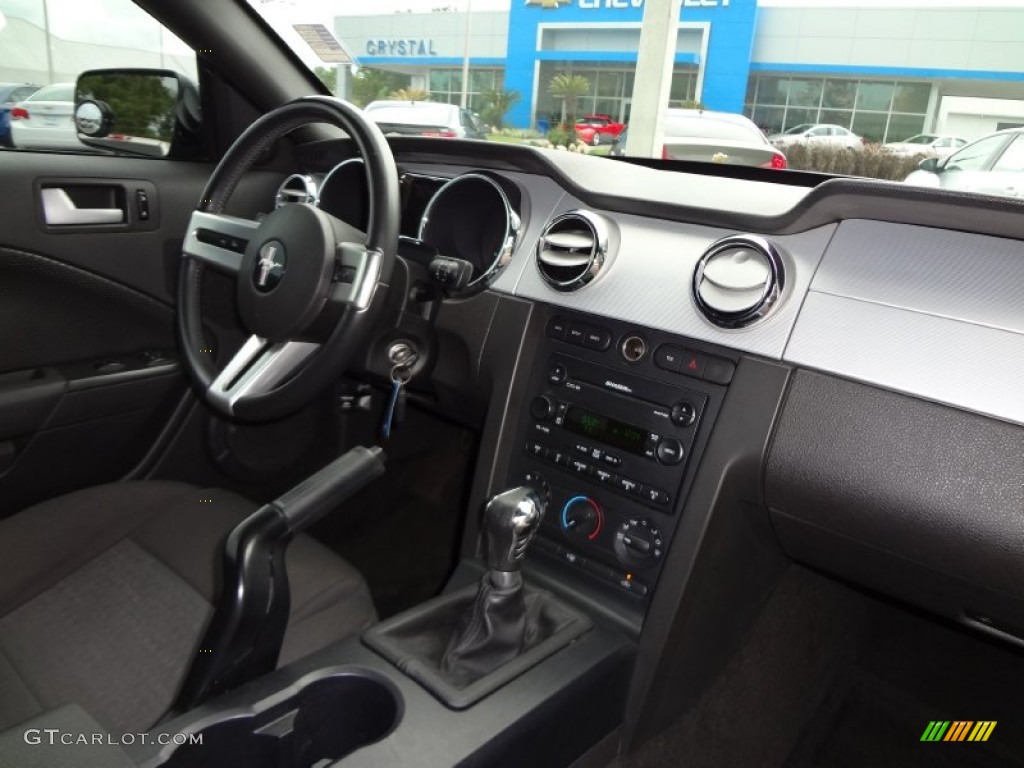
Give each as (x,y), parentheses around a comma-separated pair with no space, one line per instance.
(549,3)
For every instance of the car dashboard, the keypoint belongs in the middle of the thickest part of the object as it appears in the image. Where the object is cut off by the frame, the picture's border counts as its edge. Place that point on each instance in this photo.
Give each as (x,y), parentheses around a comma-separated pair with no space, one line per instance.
(885,307)
(710,375)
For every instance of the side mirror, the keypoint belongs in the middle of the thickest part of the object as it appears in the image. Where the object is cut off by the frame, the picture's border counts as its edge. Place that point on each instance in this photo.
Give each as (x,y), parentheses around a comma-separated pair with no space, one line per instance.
(930,164)
(146,112)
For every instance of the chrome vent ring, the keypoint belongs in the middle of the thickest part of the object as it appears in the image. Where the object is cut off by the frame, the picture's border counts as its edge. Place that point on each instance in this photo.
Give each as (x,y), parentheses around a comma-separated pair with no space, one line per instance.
(297,188)
(572,250)
(738,281)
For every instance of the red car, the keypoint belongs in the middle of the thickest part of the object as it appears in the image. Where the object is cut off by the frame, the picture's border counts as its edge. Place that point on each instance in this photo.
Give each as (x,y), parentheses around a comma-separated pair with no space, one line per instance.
(598,129)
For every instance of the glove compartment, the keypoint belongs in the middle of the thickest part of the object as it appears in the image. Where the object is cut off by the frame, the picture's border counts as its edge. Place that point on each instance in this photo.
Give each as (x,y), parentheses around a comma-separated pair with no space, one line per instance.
(913,499)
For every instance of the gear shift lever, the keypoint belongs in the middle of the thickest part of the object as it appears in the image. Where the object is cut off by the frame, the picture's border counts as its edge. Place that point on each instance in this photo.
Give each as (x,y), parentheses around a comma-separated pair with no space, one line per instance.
(500,622)
(510,522)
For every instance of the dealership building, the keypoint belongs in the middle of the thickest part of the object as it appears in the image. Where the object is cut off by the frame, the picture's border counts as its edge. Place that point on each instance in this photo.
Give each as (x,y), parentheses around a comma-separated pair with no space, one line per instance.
(884,72)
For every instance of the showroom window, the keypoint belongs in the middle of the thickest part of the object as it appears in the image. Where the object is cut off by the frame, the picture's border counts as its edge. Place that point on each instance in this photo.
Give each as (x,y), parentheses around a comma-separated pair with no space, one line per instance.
(879,111)
(445,85)
(610,89)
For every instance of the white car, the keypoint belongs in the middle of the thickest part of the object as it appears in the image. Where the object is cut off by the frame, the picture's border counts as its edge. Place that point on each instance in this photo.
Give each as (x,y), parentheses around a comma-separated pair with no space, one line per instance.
(817,133)
(424,118)
(45,120)
(929,144)
(992,165)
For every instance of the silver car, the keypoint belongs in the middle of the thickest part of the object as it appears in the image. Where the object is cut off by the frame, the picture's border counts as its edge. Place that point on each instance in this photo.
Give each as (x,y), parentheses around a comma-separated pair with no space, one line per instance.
(44,119)
(817,133)
(712,137)
(992,165)
(930,144)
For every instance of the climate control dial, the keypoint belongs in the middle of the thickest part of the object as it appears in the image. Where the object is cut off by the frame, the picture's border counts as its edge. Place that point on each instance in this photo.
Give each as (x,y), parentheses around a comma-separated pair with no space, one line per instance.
(582,516)
(638,543)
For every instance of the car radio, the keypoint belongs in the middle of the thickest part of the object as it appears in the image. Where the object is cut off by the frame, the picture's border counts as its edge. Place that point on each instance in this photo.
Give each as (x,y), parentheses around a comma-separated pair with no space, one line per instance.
(626,434)
(612,445)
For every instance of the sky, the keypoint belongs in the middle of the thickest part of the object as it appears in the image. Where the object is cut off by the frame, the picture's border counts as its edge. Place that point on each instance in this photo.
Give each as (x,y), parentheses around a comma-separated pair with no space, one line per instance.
(359,7)
(107,21)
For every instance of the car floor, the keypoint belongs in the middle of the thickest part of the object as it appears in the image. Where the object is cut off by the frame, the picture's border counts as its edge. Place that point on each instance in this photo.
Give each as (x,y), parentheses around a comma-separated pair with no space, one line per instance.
(830,676)
(402,531)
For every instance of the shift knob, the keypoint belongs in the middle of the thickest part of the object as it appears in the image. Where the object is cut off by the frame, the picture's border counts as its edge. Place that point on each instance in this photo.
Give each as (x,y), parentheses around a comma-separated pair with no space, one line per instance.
(510,521)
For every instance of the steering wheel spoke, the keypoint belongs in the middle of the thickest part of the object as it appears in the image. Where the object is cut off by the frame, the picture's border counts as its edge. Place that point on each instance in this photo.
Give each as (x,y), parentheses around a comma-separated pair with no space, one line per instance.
(357,271)
(218,240)
(257,367)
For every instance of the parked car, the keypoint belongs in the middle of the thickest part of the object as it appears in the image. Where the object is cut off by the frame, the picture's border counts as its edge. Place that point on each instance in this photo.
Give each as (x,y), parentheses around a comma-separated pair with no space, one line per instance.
(425,118)
(931,144)
(992,165)
(598,129)
(11,94)
(716,137)
(45,120)
(817,133)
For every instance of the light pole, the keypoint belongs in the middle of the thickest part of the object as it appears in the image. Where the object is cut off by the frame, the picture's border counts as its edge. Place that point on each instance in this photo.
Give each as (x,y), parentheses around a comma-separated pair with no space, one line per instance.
(49,52)
(464,101)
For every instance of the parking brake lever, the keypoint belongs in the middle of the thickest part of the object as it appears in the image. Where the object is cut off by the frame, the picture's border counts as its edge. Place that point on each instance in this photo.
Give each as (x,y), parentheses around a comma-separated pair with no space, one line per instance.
(244,637)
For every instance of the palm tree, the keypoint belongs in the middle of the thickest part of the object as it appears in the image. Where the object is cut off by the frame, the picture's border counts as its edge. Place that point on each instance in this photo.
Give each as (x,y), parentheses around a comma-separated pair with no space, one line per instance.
(570,89)
(498,102)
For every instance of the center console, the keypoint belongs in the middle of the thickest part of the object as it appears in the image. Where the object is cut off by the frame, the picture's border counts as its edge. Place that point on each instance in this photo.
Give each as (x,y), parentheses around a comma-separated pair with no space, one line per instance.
(616,422)
(526,659)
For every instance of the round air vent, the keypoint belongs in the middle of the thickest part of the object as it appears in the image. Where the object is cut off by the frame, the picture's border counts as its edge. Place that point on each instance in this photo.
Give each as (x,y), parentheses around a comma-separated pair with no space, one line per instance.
(572,250)
(297,188)
(738,280)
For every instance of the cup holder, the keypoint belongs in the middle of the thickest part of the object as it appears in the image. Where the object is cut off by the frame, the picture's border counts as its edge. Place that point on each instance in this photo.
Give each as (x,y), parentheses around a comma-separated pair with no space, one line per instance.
(321,721)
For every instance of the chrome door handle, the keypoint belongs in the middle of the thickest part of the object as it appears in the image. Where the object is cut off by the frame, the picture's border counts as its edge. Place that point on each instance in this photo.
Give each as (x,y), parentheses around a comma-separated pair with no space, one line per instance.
(59,209)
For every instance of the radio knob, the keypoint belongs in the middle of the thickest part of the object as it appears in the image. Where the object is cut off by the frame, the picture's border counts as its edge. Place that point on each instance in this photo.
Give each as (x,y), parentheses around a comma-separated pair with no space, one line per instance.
(542,407)
(684,413)
(582,516)
(670,451)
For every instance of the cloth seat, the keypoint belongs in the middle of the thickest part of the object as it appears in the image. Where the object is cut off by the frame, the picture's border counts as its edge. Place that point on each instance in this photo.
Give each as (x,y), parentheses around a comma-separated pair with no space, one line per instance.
(105,593)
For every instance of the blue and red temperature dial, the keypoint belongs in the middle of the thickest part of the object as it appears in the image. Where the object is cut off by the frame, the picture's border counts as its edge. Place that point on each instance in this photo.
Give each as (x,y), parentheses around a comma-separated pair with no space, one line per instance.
(582,516)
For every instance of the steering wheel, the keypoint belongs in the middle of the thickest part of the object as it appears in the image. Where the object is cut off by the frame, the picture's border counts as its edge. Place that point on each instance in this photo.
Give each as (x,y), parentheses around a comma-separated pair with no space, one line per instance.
(308,285)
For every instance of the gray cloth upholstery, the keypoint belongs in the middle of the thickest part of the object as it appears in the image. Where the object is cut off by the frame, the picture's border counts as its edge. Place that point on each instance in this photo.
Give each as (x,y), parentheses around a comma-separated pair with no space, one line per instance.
(30,746)
(105,593)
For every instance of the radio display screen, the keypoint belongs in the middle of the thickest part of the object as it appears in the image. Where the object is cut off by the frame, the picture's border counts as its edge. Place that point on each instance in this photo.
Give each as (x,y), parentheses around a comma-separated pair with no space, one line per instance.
(608,431)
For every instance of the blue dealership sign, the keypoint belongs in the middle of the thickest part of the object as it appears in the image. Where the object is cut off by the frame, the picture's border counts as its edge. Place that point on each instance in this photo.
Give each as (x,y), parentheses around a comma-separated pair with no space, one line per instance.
(727,27)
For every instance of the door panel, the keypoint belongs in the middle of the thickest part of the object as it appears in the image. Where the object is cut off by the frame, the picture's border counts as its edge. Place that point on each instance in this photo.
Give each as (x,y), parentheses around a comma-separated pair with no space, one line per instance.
(88,366)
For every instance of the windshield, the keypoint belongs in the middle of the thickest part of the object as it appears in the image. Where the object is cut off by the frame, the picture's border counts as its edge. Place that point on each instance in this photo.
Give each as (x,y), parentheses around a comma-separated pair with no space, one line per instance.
(830,82)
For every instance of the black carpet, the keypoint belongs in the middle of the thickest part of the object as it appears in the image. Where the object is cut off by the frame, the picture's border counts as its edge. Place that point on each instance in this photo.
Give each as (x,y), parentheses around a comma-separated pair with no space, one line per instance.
(914,669)
(830,677)
(402,531)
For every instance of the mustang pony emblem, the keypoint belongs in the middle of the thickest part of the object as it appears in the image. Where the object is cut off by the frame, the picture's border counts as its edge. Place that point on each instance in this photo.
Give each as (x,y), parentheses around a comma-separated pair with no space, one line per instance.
(270,266)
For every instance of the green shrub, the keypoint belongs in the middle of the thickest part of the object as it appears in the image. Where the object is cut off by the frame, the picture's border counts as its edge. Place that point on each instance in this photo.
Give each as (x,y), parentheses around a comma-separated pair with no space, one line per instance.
(562,135)
(870,161)
(521,133)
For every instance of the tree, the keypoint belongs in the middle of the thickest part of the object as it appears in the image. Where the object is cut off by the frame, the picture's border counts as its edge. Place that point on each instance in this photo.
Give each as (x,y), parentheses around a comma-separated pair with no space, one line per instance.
(142,106)
(371,84)
(329,77)
(570,89)
(497,103)
(409,94)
